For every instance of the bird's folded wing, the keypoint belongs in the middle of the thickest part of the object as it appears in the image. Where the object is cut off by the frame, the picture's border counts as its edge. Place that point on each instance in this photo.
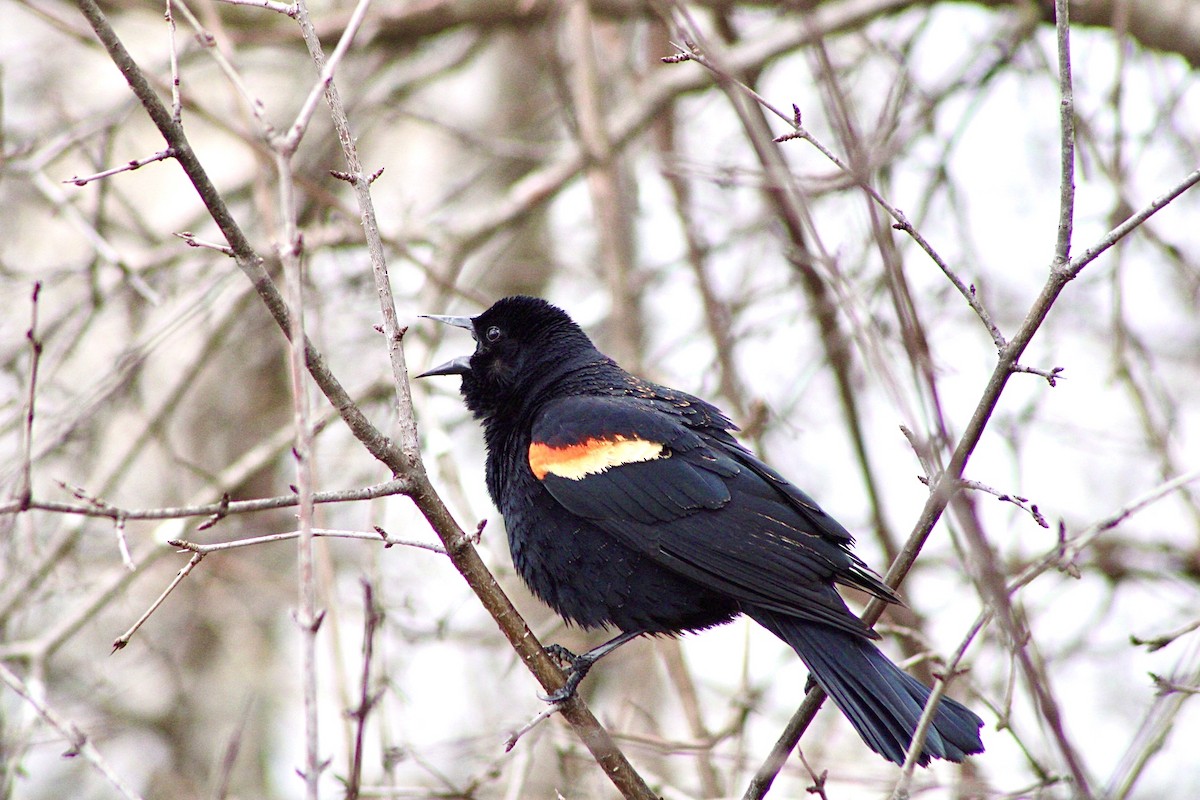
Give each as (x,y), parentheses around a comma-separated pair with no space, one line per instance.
(697,503)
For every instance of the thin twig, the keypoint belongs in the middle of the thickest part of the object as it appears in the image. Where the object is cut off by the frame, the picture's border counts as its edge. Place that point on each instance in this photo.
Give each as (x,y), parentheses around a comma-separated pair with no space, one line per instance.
(193,241)
(818,780)
(300,125)
(94,507)
(122,640)
(326,533)
(1152,733)
(176,102)
(1066,112)
(372,616)
(1162,640)
(1018,501)
(1078,543)
(232,748)
(901,791)
(1071,547)
(308,618)
(287,9)
(25,486)
(136,163)
(361,183)
(255,105)
(290,254)
(1052,375)
(543,715)
(902,222)
(947,484)
(1131,224)
(79,743)
(1165,686)
(123,544)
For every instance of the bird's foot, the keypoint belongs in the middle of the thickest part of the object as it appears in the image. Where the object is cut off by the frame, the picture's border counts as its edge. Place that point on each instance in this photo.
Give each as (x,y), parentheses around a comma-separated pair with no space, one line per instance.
(562,655)
(576,667)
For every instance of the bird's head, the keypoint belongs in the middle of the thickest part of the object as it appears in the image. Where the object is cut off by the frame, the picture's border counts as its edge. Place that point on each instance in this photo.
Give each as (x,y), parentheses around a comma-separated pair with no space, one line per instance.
(521,343)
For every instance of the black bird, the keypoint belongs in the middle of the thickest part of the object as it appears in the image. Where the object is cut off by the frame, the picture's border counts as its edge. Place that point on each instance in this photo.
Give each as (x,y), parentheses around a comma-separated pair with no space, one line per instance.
(631,505)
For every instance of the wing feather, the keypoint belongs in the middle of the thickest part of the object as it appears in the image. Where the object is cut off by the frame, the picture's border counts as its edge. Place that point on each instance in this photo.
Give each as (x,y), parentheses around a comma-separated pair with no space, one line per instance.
(703,507)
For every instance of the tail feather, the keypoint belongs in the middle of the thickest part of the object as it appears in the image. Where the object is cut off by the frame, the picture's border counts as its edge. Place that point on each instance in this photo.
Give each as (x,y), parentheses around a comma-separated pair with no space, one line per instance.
(882,702)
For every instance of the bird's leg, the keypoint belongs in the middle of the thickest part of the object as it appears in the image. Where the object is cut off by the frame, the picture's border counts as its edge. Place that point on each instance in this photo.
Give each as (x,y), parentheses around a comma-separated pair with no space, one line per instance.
(578,665)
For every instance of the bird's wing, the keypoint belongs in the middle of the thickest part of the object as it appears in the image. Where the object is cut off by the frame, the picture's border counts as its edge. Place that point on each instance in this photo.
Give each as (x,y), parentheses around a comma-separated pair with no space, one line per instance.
(698,503)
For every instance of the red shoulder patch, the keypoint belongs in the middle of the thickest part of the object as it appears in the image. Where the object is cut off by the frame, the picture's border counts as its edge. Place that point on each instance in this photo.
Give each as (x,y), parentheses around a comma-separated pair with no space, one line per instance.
(591,456)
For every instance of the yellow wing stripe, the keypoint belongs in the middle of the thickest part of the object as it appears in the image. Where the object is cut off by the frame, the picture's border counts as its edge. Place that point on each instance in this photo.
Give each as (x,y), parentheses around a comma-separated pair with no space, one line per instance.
(592,456)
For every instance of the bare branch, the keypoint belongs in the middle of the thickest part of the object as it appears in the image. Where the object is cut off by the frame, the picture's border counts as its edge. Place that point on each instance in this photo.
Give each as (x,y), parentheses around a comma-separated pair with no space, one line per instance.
(193,241)
(901,791)
(1051,375)
(1162,640)
(408,462)
(378,536)
(372,617)
(287,9)
(902,221)
(122,544)
(546,713)
(121,641)
(80,745)
(296,132)
(763,241)
(176,102)
(95,507)
(25,482)
(132,165)
(1066,112)
(1076,265)
(1020,502)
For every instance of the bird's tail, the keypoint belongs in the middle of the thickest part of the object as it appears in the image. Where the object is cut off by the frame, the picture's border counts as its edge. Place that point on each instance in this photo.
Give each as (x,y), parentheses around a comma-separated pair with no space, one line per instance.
(882,702)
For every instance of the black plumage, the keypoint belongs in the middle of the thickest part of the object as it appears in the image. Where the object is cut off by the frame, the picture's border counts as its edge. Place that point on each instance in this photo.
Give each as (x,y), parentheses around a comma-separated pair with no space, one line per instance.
(632,505)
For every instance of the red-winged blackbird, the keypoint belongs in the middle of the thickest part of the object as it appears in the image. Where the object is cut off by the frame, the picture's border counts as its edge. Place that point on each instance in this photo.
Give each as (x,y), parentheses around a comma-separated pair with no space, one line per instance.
(631,505)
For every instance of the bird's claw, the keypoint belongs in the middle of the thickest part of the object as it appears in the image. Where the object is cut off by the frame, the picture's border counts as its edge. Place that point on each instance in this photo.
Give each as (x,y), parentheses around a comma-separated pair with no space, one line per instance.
(576,667)
(561,654)
(556,697)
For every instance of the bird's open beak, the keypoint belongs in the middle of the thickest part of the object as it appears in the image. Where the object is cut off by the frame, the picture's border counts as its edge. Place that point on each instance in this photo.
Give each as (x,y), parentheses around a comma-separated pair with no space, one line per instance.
(456,366)
(458,322)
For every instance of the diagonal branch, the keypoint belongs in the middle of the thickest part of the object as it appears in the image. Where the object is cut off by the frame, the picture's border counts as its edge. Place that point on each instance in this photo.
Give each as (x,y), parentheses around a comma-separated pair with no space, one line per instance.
(248,260)
(402,461)
(80,745)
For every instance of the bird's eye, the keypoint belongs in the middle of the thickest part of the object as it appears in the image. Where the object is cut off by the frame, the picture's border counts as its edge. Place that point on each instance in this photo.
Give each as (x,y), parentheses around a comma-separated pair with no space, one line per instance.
(493,334)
